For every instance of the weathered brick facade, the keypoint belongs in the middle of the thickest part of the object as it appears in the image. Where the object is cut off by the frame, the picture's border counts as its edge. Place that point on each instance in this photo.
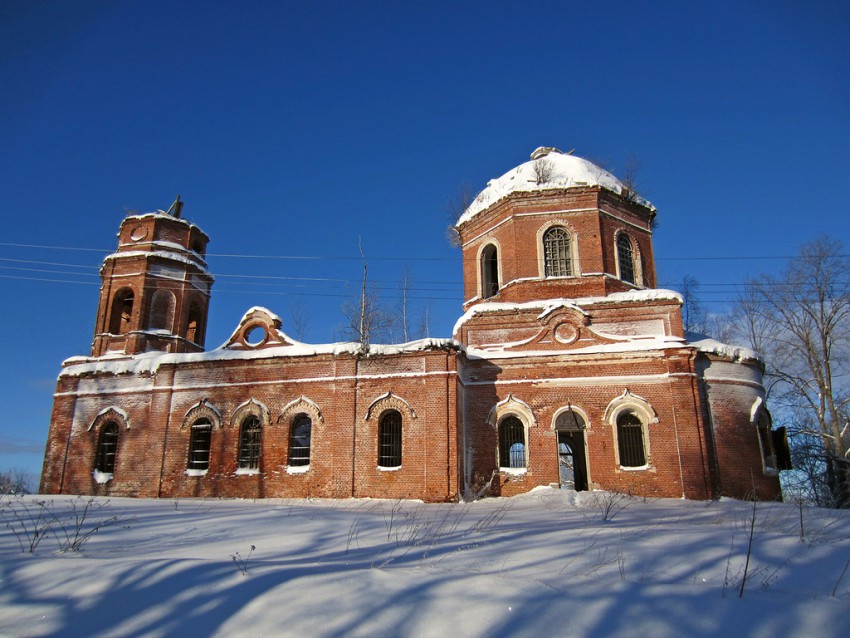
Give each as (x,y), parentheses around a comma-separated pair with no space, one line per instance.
(567,367)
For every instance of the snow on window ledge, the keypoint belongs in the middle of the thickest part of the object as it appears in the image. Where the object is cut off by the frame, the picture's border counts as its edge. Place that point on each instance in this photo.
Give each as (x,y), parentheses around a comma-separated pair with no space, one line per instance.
(101,477)
(297,469)
(190,472)
(636,468)
(514,471)
(382,468)
(247,471)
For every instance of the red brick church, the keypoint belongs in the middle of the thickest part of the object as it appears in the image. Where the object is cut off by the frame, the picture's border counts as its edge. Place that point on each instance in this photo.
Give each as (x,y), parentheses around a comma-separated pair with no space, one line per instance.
(568,367)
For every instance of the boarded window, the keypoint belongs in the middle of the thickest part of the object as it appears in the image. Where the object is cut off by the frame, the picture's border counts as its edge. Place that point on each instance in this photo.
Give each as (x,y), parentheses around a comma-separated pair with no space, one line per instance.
(162,310)
(389,439)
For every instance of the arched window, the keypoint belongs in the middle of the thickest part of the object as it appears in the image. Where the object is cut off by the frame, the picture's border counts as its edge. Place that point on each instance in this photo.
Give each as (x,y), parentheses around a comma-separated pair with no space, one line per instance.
(107,446)
(511,442)
(194,325)
(489,271)
(557,252)
(122,312)
(569,420)
(389,439)
(198,247)
(199,444)
(162,310)
(626,258)
(250,433)
(630,442)
(299,440)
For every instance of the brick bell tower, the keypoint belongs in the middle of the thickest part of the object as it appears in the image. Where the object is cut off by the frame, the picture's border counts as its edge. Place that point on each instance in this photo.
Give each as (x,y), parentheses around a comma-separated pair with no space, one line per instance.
(155,289)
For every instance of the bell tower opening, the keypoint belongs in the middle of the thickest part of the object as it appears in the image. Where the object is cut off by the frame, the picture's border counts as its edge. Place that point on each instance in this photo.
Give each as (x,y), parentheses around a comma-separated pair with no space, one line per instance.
(156,287)
(122,312)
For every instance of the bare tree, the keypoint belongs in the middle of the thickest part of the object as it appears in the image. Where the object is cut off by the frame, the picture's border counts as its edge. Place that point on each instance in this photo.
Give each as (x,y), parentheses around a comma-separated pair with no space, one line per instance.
(365,318)
(14,482)
(300,319)
(424,327)
(543,170)
(694,317)
(720,327)
(800,323)
(456,205)
(405,288)
(631,169)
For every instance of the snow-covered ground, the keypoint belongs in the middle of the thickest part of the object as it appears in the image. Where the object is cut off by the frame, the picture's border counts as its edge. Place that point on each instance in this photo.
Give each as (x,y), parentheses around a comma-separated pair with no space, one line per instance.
(542,564)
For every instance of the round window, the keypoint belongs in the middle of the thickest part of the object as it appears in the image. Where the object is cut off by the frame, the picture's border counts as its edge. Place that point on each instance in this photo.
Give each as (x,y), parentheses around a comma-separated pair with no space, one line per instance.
(255,335)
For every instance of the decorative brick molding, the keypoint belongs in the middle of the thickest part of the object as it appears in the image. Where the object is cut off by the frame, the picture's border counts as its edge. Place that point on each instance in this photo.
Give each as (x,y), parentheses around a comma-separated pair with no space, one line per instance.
(203,409)
(389,401)
(110,414)
(301,405)
(512,405)
(629,401)
(251,407)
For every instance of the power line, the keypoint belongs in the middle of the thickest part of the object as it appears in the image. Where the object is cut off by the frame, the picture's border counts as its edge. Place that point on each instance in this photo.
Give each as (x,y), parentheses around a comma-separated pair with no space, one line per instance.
(410,257)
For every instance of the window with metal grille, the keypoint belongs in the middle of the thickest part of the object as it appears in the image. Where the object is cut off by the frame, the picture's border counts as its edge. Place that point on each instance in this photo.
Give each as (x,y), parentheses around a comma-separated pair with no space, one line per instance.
(569,420)
(107,446)
(389,439)
(489,272)
(249,444)
(199,445)
(511,442)
(626,258)
(557,253)
(630,440)
(299,440)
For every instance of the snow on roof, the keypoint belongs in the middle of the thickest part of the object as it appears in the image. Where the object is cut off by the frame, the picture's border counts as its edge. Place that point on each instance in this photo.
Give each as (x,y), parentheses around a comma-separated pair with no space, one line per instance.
(188,258)
(712,346)
(548,305)
(149,362)
(161,214)
(548,168)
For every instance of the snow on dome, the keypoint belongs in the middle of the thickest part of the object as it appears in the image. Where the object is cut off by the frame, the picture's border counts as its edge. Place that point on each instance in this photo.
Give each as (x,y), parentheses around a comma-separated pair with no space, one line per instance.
(548,168)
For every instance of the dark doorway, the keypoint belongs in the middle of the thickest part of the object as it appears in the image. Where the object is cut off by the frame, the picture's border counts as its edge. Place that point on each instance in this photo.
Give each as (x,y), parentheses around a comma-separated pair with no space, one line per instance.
(572,464)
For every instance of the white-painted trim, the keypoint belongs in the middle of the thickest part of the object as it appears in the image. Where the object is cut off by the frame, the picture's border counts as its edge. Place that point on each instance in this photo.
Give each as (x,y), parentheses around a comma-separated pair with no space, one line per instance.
(188,387)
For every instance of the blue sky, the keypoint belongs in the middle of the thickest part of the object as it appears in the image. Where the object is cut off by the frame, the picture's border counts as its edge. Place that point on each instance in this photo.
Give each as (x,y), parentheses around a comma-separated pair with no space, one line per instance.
(291,129)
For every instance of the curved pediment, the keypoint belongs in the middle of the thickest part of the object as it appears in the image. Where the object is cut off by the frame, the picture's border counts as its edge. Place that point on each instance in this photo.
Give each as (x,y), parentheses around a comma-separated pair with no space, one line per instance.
(258,329)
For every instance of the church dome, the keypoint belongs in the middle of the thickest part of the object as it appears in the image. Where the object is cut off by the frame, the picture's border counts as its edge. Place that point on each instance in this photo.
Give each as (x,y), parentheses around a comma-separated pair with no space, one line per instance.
(548,168)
